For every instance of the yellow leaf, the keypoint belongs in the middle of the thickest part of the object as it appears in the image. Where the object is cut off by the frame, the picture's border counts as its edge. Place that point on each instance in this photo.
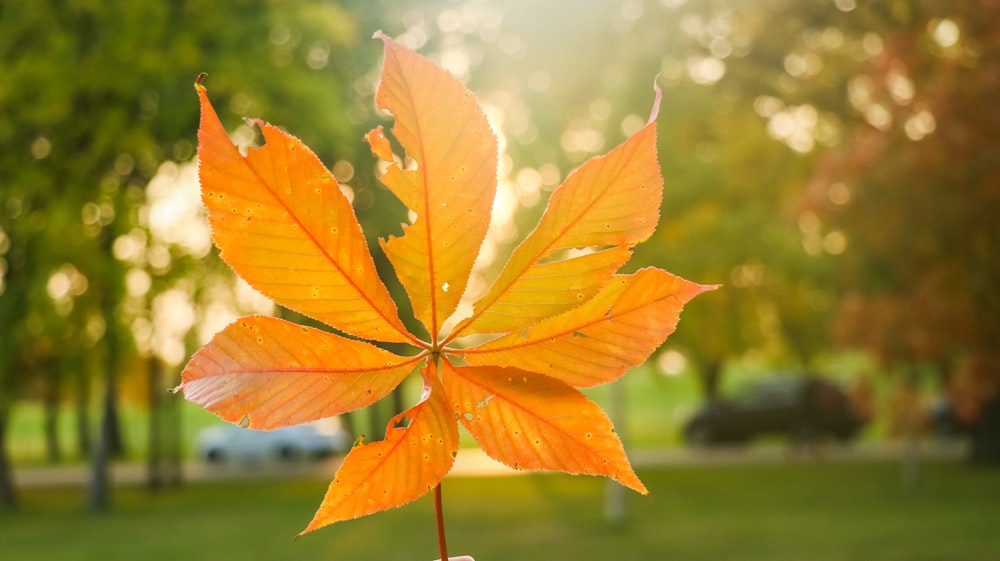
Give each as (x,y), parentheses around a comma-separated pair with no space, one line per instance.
(611,200)
(598,341)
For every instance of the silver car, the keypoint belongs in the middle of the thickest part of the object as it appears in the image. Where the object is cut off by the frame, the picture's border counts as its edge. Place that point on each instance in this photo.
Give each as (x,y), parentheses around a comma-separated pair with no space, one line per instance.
(229,443)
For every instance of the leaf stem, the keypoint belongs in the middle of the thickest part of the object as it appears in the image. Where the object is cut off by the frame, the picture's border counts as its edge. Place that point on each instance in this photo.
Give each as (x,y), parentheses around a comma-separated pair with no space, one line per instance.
(439,517)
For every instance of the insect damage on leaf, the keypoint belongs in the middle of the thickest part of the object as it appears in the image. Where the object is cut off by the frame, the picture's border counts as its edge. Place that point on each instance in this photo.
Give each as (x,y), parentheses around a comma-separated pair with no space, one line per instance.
(282,223)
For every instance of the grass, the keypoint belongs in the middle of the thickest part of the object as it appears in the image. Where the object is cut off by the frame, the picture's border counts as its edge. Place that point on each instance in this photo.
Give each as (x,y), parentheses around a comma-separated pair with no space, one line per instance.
(795,511)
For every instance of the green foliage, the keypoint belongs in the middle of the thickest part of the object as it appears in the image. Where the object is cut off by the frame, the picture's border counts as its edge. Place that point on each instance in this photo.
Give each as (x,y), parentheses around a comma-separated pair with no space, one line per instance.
(95,96)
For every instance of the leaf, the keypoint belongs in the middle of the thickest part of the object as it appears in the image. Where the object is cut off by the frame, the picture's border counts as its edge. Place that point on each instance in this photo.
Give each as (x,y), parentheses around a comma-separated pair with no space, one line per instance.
(598,341)
(282,224)
(272,373)
(530,421)
(451,190)
(563,318)
(406,465)
(611,200)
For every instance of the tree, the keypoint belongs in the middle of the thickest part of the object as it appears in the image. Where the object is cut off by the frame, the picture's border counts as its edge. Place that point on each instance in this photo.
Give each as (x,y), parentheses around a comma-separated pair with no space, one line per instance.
(916,189)
(97,98)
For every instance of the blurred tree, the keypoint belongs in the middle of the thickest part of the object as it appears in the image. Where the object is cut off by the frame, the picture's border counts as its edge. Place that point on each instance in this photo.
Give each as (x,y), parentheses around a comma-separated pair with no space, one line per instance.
(916,189)
(94,98)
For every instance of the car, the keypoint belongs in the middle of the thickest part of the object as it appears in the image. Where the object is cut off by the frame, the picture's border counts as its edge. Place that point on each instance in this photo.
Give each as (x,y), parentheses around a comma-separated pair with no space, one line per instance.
(945,421)
(802,407)
(224,443)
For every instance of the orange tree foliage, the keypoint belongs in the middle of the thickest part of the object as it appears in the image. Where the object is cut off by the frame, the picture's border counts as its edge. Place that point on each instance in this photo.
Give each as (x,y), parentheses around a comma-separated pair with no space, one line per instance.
(556,319)
(920,192)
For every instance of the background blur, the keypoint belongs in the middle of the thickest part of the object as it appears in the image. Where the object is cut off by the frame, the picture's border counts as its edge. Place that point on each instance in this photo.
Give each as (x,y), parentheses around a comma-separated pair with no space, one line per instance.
(833,163)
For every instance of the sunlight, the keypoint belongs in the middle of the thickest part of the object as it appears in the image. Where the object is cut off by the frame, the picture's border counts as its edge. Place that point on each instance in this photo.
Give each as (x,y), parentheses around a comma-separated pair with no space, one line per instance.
(671,362)
(174,214)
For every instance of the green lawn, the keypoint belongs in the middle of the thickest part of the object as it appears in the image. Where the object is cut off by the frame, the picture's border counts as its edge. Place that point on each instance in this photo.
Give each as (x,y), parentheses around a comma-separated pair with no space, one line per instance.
(798,511)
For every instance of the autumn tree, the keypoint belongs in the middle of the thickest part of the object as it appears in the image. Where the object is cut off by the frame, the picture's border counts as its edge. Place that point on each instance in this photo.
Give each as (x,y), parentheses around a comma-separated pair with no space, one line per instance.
(915,188)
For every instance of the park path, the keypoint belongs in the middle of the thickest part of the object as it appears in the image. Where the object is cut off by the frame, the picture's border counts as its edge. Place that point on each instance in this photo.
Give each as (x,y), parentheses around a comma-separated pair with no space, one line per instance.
(474,463)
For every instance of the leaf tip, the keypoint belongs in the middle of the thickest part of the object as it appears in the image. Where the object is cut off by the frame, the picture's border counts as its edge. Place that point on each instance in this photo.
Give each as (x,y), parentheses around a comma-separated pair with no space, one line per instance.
(658,96)
(632,481)
(641,489)
(708,287)
(313,525)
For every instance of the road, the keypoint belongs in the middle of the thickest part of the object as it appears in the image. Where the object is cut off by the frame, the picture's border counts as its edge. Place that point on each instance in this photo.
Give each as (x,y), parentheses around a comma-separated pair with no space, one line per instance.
(474,463)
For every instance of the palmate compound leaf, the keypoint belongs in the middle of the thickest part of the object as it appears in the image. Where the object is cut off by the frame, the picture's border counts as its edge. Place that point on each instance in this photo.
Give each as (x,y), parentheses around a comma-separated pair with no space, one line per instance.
(564,319)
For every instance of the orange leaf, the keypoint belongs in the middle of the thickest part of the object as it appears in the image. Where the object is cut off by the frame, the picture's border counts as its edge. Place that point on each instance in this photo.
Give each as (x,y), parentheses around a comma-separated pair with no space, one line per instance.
(267,373)
(411,461)
(598,341)
(533,422)
(444,131)
(281,222)
(611,200)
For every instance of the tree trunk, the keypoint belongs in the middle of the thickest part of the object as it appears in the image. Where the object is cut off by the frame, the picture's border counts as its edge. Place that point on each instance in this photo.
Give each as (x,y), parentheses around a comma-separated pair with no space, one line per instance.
(397,401)
(376,421)
(711,377)
(8,494)
(347,423)
(84,444)
(985,445)
(910,459)
(615,496)
(53,452)
(172,439)
(99,493)
(155,442)
(116,439)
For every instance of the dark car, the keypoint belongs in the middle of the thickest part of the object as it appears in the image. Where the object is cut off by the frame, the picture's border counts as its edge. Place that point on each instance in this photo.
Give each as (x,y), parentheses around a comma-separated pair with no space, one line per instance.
(803,408)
